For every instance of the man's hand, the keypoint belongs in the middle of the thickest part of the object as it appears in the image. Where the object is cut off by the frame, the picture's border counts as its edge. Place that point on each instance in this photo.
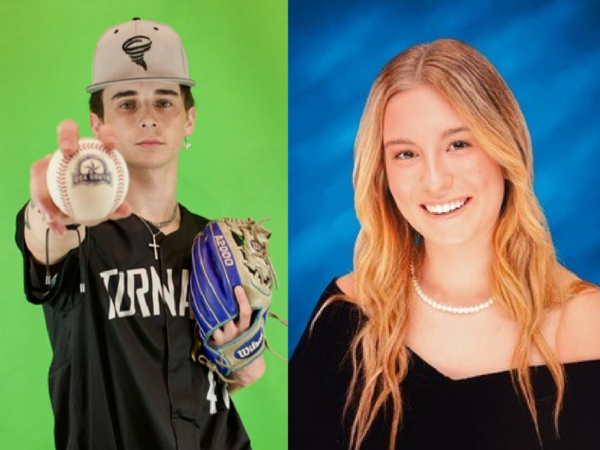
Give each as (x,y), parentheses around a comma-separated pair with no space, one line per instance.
(230,295)
(42,213)
(256,369)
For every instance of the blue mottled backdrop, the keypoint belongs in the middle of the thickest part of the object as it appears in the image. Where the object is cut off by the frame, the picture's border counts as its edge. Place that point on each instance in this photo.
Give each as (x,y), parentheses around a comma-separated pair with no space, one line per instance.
(547,51)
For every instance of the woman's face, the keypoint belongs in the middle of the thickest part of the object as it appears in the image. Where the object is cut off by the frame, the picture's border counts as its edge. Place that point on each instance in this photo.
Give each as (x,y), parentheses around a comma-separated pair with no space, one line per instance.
(447,187)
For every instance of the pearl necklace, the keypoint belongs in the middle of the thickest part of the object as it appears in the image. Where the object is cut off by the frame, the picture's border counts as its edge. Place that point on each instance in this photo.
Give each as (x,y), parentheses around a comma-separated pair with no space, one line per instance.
(447,308)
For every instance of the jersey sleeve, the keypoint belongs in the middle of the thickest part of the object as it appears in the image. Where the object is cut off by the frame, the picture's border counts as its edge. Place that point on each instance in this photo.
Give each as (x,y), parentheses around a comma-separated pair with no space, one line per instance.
(63,291)
(320,371)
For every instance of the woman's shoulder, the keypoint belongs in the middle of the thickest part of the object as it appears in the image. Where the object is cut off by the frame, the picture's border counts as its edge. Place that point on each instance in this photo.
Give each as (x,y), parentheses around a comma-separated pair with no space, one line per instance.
(578,327)
(335,316)
(338,300)
(345,284)
(331,327)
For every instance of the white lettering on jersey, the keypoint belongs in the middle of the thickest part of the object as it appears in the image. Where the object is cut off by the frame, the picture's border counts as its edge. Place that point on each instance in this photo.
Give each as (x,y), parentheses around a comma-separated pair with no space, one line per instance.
(139,293)
(183,299)
(211,396)
(166,292)
(134,288)
(105,277)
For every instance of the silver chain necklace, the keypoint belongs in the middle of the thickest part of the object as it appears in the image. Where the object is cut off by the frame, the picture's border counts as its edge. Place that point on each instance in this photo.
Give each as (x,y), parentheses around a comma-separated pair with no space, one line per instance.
(159,225)
(164,223)
(441,306)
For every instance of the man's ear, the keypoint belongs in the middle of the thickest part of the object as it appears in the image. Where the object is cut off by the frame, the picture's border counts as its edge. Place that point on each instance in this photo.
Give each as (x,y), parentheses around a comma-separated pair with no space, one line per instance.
(190,121)
(95,124)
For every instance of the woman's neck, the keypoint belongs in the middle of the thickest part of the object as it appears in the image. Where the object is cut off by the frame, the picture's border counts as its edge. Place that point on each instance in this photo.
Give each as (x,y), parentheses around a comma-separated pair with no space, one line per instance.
(457,274)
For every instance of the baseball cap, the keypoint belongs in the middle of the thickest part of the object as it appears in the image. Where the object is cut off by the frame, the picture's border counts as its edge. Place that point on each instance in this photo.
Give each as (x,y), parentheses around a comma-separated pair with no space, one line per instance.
(139,50)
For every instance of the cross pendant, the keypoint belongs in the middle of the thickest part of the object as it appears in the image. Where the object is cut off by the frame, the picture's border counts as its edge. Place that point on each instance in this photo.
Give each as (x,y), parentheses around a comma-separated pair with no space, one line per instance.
(155,246)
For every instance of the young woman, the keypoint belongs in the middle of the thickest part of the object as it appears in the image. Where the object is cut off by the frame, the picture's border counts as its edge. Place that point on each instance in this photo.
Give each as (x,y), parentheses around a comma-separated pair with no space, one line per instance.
(458,328)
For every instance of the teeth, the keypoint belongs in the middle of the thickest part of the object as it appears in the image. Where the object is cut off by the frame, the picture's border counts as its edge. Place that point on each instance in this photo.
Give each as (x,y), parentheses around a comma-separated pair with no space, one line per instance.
(446,207)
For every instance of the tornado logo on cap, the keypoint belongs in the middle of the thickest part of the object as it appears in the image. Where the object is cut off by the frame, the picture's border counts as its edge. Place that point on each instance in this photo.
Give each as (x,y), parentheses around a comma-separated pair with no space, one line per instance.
(135,47)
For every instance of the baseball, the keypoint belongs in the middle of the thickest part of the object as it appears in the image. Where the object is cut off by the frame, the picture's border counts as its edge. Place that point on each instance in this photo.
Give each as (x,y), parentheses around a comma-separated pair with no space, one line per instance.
(89,185)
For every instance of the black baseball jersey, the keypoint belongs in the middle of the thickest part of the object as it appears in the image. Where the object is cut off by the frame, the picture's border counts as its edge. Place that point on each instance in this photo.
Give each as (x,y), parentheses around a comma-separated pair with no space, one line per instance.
(121,375)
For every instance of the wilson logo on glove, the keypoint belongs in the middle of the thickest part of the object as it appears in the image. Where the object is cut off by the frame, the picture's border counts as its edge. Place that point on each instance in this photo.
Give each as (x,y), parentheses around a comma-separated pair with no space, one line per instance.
(252,347)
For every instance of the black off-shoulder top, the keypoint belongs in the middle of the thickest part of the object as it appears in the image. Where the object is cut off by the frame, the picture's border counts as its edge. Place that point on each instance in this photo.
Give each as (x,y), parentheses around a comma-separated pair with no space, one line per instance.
(478,413)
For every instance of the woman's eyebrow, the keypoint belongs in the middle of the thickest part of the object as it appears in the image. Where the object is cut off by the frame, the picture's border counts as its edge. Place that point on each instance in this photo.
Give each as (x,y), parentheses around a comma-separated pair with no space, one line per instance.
(400,141)
(449,132)
(444,135)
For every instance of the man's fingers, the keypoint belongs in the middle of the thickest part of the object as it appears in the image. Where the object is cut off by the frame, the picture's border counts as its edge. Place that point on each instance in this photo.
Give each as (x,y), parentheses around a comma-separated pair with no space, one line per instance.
(51,215)
(58,227)
(68,137)
(217,338)
(245,311)
(39,190)
(233,329)
(122,211)
(108,136)
(226,333)
(41,199)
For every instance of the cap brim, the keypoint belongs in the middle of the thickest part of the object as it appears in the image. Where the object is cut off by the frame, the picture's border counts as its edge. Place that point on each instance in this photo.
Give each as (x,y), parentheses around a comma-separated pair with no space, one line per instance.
(99,86)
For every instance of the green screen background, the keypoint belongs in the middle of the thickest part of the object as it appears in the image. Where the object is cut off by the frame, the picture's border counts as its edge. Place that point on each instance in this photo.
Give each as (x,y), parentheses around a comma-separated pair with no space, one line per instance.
(237,165)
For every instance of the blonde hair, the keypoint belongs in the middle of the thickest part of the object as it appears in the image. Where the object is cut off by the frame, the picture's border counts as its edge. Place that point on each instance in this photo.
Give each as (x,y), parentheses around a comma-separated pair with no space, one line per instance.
(526,277)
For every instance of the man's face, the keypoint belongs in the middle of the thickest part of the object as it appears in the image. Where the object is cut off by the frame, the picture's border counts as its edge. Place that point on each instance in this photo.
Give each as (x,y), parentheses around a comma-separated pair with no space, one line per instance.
(150,121)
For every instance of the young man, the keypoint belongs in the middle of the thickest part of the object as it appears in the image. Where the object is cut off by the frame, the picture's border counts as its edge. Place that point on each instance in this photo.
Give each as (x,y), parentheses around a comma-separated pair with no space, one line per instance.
(121,375)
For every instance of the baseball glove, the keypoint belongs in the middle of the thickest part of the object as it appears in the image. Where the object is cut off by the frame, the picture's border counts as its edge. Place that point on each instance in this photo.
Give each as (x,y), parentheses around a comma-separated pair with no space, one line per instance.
(229,253)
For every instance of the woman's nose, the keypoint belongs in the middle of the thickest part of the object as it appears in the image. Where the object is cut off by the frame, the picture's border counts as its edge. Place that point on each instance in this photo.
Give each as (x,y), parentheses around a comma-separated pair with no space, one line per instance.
(437,176)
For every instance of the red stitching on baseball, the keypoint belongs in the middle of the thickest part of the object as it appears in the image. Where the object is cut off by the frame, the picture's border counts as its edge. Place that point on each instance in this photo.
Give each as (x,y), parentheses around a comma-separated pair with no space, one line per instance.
(120,194)
(62,183)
